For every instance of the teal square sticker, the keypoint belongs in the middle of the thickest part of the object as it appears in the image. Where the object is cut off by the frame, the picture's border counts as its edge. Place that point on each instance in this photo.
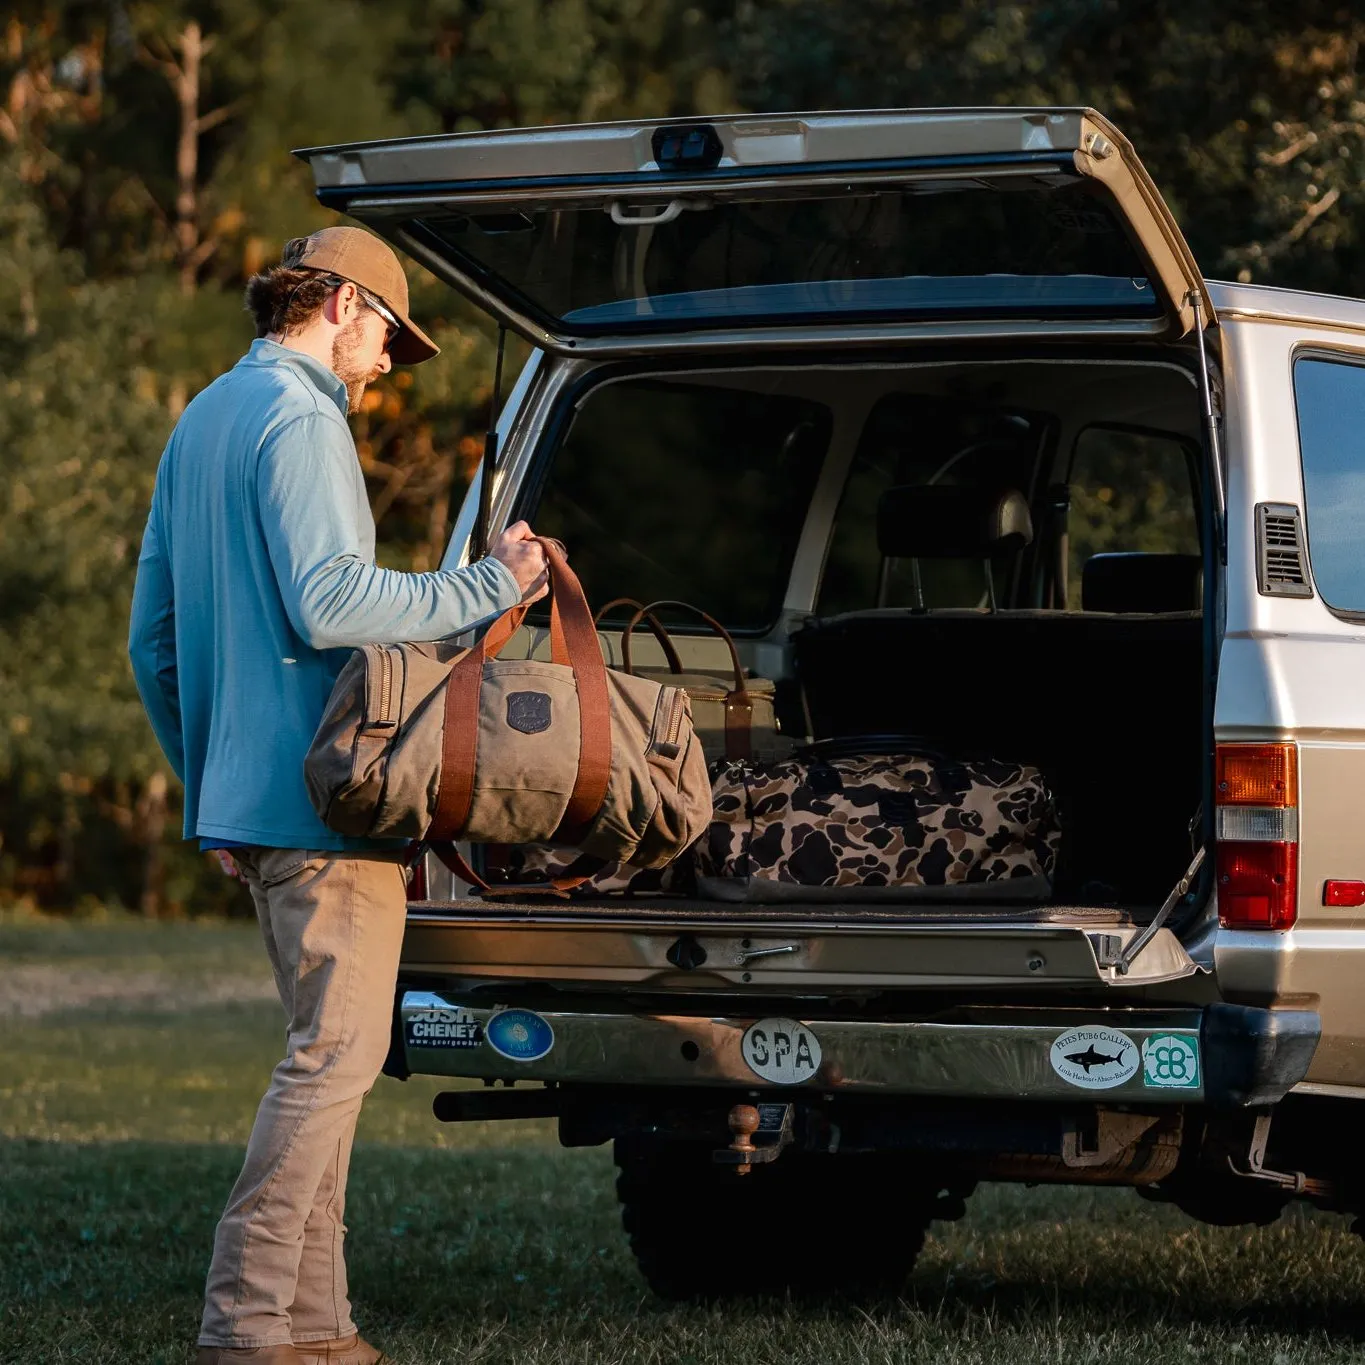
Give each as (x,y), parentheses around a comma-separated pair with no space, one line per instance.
(1170,1061)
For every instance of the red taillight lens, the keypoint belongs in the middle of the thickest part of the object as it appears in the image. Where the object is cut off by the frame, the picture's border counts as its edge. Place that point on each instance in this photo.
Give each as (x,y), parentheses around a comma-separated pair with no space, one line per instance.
(1258,885)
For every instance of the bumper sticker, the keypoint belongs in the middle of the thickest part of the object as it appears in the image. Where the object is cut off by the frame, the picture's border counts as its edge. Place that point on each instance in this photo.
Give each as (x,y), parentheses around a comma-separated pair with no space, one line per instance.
(1170,1061)
(1095,1058)
(519,1035)
(453,1026)
(781,1051)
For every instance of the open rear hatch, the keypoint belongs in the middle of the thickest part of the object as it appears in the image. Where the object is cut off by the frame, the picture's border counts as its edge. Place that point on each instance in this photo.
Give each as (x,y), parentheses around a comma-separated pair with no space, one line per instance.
(623,238)
(764,232)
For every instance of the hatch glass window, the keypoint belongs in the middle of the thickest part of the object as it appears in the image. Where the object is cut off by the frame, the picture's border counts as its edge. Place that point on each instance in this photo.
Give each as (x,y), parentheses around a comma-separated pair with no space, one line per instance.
(1330,397)
(963,246)
(685,491)
(914,440)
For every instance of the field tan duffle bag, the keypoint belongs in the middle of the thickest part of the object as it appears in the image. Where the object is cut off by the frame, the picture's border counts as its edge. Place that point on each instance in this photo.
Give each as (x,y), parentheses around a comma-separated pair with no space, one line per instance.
(436,743)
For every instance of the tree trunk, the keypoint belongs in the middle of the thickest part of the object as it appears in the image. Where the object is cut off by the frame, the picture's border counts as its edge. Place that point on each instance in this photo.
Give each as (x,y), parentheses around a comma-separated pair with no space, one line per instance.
(187,156)
(152,818)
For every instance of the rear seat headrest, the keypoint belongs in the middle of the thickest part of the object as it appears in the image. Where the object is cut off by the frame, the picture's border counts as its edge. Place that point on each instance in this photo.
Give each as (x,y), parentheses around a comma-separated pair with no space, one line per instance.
(934,521)
(1142,583)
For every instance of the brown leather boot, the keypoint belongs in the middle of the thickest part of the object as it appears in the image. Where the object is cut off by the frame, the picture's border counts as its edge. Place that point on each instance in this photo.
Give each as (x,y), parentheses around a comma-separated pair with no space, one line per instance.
(248,1355)
(353,1350)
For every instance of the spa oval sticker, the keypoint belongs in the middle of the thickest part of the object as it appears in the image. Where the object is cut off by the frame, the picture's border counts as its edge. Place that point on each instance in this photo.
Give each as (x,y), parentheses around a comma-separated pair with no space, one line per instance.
(781,1051)
(1095,1058)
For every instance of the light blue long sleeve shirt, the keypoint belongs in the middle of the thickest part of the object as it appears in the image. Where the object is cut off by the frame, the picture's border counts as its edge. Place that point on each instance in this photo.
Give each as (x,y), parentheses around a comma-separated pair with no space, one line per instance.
(255,582)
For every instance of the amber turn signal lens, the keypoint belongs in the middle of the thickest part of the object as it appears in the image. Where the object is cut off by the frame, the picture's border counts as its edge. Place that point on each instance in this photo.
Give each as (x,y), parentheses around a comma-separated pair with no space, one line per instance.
(1257,775)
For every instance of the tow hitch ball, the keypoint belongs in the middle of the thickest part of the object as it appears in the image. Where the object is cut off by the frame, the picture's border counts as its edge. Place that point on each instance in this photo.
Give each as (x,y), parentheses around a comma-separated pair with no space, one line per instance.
(770,1124)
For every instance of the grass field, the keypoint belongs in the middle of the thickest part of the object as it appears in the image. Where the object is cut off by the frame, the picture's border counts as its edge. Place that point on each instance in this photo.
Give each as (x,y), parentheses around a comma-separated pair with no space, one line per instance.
(131,1062)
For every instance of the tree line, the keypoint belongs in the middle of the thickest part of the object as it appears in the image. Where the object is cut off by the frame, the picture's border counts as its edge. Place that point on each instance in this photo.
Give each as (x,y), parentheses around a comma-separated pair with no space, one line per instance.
(145,173)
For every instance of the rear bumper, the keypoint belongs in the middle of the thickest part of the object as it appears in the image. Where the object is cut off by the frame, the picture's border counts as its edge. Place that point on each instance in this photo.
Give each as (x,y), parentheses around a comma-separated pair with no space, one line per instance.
(1221,1055)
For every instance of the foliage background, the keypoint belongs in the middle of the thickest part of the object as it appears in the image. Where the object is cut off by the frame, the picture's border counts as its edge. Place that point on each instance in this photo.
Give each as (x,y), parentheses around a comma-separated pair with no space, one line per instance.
(145,173)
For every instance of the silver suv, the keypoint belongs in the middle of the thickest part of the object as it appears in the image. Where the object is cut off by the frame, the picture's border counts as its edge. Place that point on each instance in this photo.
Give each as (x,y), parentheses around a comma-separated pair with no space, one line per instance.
(747,330)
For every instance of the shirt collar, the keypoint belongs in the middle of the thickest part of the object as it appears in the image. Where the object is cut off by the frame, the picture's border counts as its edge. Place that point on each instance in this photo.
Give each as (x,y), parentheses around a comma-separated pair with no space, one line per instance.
(265,352)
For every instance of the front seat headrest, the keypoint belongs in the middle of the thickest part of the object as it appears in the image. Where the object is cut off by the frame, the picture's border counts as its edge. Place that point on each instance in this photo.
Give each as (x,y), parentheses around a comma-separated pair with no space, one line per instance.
(1142,582)
(934,521)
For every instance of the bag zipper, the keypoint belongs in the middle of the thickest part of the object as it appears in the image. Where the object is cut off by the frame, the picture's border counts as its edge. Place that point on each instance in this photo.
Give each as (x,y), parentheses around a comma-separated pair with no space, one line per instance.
(666,744)
(383,717)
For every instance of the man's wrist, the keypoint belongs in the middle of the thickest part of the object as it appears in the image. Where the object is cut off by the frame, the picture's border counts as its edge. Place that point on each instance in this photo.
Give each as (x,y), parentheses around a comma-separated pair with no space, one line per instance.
(507,587)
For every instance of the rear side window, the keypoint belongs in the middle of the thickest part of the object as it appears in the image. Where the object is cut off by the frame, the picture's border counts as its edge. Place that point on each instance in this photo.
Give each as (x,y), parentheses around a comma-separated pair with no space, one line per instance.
(1330,397)
(917,440)
(687,491)
(1131,492)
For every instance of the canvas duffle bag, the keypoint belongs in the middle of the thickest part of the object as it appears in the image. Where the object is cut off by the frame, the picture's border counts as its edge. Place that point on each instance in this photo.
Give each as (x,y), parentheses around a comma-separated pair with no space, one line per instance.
(436,743)
(833,823)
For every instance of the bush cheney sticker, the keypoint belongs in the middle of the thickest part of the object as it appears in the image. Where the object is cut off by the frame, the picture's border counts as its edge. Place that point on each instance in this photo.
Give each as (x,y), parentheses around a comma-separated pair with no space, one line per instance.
(449,1026)
(1170,1062)
(781,1051)
(1095,1058)
(520,1035)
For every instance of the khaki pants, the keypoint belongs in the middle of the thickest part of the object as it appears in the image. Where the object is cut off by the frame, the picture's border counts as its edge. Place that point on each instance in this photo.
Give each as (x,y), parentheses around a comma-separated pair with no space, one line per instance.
(333,926)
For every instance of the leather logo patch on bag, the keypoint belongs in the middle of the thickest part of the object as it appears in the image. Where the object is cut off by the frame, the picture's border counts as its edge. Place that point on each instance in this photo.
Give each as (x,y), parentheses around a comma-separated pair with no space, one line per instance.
(528,712)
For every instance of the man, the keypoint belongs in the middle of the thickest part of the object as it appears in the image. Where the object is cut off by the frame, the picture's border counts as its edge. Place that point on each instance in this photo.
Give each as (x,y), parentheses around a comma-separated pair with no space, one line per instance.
(256,579)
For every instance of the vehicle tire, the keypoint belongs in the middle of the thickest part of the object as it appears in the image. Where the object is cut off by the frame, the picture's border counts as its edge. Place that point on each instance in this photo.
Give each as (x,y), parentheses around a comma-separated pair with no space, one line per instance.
(810,1225)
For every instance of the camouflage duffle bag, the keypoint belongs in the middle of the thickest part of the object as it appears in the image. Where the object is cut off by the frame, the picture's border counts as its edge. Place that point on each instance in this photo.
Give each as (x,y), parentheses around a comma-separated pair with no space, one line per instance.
(833,824)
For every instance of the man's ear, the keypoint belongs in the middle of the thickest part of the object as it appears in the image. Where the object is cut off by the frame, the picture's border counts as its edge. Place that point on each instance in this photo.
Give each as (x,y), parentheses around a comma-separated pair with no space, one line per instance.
(342,305)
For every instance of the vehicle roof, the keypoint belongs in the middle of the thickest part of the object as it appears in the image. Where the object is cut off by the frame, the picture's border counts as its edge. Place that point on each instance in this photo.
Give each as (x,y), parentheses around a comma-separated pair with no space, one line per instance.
(1252,301)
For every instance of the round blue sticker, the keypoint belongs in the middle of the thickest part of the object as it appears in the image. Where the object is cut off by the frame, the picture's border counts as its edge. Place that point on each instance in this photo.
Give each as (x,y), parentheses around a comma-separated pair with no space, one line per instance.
(521,1035)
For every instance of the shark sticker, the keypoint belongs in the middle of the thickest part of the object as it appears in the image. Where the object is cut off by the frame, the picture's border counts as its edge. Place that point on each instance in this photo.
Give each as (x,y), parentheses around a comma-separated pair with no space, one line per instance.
(1095,1058)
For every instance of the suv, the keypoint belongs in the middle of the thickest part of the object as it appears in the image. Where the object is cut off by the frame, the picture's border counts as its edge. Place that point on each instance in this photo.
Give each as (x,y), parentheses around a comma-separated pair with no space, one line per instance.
(748,330)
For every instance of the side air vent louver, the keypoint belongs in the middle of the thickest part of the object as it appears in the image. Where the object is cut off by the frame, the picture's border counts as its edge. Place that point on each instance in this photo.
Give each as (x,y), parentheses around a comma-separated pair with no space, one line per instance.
(1281,564)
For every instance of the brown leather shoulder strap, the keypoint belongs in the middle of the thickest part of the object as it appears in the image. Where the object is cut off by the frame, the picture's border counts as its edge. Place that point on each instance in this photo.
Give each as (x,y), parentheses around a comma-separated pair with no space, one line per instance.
(573,640)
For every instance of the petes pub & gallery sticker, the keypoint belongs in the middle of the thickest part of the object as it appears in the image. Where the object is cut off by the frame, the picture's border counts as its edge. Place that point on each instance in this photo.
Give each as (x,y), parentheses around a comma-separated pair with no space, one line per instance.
(781,1051)
(1095,1058)
(451,1026)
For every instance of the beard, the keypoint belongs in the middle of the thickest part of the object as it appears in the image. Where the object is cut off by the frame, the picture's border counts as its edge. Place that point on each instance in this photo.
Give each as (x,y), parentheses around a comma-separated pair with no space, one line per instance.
(345,345)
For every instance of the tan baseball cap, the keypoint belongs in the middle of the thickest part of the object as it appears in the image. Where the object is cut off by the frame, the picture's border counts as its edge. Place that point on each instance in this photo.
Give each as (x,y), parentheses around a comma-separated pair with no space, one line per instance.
(361,257)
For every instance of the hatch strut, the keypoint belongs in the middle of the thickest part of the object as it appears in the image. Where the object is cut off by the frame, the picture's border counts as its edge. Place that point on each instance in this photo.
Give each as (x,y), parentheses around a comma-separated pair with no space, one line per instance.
(478,542)
(1149,933)
(1220,495)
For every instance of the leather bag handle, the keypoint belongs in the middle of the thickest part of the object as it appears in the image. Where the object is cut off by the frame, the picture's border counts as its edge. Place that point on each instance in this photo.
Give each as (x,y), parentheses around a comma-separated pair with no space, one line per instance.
(655,625)
(711,621)
(573,642)
(739,704)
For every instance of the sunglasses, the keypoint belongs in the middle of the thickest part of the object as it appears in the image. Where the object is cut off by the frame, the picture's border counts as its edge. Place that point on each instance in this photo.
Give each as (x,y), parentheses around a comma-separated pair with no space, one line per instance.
(391,324)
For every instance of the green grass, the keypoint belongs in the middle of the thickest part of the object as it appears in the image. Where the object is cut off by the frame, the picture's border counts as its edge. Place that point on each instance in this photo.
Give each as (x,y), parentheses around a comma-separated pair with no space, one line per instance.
(121,1125)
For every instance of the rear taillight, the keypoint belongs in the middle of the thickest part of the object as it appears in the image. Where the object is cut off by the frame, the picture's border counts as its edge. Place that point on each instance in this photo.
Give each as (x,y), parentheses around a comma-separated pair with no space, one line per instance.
(1256,791)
